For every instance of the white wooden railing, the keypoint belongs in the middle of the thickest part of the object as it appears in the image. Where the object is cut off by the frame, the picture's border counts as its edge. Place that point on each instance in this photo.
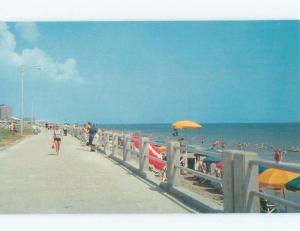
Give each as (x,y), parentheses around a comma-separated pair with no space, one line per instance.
(240,171)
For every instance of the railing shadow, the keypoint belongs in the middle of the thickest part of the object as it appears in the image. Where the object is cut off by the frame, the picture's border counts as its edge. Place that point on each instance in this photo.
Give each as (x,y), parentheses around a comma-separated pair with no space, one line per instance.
(154,187)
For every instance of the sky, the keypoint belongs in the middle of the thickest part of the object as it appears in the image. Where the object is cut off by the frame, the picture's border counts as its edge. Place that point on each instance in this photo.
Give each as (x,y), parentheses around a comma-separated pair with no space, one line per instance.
(153,72)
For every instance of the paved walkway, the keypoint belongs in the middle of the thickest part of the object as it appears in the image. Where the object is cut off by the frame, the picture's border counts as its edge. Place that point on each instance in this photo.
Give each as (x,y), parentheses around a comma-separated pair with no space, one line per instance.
(34,180)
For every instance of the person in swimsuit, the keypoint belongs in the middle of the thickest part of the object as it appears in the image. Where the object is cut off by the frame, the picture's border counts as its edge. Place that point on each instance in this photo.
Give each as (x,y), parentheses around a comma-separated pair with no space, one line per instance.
(277,154)
(57,137)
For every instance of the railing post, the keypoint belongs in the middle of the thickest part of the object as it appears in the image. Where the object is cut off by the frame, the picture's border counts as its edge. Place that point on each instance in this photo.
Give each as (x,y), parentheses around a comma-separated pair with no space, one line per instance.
(106,143)
(245,180)
(100,139)
(173,158)
(227,182)
(114,144)
(125,147)
(143,155)
(75,133)
(130,148)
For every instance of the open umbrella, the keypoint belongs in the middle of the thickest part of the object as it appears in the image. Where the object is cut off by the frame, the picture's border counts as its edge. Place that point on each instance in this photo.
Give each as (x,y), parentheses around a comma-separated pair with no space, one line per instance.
(220,165)
(211,160)
(186,124)
(162,148)
(261,168)
(293,185)
(276,178)
(199,154)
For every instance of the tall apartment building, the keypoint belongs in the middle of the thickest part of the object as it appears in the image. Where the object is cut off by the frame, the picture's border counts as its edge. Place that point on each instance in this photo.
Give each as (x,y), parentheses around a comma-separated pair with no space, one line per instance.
(5,112)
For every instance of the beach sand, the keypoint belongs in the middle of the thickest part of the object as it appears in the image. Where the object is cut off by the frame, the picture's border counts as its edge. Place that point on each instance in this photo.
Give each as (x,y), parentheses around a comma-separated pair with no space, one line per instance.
(189,182)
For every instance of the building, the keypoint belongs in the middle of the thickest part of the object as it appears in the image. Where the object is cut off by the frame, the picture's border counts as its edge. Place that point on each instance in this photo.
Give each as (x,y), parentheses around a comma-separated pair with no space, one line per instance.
(5,112)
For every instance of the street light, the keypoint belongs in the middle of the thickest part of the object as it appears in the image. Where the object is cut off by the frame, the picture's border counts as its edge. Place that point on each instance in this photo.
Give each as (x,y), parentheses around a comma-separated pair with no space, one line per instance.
(22,94)
(32,101)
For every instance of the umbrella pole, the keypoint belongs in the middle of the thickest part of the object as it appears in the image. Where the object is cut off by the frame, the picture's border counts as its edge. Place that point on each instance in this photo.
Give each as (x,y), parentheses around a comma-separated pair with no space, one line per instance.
(186,143)
(284,198)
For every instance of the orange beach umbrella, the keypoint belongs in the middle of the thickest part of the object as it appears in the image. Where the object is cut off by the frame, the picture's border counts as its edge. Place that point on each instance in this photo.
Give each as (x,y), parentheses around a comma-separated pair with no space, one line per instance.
(186,124)
(276,178)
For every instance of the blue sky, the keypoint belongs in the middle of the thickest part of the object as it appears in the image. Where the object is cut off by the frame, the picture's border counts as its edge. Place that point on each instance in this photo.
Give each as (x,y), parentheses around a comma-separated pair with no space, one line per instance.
(153,72)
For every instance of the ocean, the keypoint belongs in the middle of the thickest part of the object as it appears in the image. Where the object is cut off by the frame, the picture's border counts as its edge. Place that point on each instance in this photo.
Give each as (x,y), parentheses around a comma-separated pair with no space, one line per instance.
(258,136)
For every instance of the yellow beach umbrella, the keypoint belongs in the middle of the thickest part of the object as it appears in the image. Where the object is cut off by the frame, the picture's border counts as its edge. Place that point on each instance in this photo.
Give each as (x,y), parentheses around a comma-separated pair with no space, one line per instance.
(162,148)
(186,124)
(276,178)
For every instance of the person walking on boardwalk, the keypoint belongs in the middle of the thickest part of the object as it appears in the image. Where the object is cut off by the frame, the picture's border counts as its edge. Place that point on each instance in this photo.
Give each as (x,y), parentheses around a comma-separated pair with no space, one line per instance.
(65,129)
(57,137)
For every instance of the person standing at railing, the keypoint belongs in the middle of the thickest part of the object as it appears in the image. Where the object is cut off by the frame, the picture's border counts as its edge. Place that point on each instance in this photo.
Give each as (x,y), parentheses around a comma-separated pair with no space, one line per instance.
(96,141)
(92,131)
(84,136)
(175,132)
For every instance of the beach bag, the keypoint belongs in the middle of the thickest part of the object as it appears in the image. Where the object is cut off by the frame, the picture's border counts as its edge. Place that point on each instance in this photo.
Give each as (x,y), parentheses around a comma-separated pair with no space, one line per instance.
(52,146)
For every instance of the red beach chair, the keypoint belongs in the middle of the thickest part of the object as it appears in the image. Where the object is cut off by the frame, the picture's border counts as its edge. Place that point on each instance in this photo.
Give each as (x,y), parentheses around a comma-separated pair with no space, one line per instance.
(155,165)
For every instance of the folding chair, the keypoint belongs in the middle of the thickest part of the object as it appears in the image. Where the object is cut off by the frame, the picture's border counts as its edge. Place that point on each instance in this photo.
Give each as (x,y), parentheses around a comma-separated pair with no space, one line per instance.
(267,207)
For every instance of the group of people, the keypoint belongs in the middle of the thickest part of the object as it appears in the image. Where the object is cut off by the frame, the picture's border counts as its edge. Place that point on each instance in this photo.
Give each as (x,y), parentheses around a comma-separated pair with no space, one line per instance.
(211,169)
(13,127)
(220,145)
(88,133)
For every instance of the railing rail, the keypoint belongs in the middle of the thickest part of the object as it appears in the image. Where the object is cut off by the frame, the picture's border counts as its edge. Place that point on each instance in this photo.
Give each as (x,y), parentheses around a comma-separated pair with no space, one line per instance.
(199,150)
(282,166)
(276,200)
(200,174)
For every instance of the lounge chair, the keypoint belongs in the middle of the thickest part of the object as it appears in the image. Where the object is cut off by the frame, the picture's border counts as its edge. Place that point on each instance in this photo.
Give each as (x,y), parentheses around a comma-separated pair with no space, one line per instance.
(267,207)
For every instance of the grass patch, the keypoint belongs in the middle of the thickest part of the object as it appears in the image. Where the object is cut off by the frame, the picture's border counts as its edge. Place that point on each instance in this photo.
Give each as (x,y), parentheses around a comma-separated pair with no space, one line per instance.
(7,137)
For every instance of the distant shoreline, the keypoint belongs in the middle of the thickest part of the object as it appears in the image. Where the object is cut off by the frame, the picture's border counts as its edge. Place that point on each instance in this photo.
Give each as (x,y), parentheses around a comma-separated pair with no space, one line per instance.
(227,123)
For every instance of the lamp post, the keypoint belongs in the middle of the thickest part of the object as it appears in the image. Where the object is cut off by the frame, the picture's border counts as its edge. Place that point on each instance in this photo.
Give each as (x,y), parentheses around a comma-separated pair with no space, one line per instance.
(22,92)
(22,95)
(32,112)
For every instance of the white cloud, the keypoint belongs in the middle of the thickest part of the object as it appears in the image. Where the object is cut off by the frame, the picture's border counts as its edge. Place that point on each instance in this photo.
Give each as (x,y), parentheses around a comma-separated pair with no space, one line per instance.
(28,30)
(10,60)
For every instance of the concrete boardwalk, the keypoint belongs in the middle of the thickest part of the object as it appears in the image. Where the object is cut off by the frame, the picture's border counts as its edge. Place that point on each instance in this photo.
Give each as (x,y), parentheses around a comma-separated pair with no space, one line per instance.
(34,180)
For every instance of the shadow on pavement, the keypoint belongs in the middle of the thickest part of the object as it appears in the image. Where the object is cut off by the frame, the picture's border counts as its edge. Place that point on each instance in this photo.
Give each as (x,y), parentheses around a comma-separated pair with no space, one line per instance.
(154,187)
